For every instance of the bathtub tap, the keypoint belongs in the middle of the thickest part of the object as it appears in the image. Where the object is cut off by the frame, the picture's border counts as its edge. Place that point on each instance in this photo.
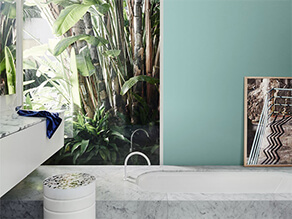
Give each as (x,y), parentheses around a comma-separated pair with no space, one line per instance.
(131,148)
(130,155)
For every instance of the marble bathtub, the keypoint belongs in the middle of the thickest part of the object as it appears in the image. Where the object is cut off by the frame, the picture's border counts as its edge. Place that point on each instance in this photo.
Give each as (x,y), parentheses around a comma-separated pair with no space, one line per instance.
(116,198)
(223,182)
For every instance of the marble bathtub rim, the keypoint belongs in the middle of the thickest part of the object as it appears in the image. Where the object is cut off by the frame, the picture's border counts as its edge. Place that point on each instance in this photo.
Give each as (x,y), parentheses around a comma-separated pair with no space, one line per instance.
(110,185)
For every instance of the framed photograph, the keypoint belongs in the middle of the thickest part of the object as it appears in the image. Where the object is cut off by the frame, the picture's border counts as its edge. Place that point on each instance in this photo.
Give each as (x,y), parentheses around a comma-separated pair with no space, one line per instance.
(268,121)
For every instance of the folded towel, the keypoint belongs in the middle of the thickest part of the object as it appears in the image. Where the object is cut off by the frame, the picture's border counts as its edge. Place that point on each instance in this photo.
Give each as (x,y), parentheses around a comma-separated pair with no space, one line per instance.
(53,119)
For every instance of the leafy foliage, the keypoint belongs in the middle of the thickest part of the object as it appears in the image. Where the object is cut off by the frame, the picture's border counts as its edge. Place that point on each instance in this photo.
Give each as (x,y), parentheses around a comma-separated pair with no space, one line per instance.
(10,71)
(89,66)
(8,8)
(55,78)
(69,16)
(7,47)
(94,140)
(64,43)
(134,80)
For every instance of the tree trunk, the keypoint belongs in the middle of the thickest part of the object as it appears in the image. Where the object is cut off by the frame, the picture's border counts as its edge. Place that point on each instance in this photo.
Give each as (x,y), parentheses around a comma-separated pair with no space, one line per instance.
(156,66)
(155,74)
(131,22)
(120,30)
(137,56)
(78,29)
(150,89)
(55,10)
(94,57)
(118,103)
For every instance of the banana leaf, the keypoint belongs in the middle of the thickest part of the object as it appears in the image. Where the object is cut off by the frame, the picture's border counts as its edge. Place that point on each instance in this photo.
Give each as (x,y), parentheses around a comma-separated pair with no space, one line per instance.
(10,71)
(84,63)
(64,43)
(134,80)
(68,17)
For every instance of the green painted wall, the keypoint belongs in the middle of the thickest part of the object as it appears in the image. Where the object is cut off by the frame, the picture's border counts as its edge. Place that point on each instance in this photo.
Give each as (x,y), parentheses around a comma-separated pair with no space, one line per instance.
(209,47)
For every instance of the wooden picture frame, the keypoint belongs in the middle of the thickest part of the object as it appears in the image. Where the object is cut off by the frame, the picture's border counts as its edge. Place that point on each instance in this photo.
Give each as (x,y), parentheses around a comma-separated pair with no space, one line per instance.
(268,121)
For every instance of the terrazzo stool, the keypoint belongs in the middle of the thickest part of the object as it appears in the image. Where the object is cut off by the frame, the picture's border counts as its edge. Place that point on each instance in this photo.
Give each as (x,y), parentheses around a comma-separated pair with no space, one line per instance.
(69,196)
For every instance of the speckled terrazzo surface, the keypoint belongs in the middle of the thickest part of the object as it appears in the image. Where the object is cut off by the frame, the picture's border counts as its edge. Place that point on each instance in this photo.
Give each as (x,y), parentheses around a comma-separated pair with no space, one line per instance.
(9,125)
(68,180)
(116,198)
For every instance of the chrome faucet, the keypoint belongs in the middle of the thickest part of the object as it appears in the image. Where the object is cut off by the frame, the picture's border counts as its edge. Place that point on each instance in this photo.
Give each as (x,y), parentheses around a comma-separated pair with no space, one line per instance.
(130,155)
(131,148)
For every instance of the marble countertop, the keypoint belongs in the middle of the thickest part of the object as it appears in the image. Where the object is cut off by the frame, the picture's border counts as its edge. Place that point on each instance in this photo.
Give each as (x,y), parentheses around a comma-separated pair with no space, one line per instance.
(9,125)
(110,185)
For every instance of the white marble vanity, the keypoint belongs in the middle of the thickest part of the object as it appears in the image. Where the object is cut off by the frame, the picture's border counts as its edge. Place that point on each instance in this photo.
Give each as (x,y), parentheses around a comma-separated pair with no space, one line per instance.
(24,146)
(10,125)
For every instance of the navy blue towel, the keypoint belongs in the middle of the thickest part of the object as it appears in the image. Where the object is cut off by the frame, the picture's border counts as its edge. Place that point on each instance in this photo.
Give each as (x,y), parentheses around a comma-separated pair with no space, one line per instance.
(53,119)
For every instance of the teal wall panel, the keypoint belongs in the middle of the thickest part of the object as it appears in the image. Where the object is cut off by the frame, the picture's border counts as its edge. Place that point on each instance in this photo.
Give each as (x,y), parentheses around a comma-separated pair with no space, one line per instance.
(209,46)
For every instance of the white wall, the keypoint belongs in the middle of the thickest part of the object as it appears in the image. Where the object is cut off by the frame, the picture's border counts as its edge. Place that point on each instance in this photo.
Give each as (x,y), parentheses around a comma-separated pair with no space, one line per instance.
(39,29)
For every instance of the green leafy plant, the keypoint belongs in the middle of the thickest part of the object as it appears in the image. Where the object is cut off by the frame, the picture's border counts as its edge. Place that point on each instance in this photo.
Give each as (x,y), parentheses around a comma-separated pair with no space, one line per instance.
(60,80)
(10,71)
(64,43)
(7,47)
(99,59)
(134,80)
(94,141)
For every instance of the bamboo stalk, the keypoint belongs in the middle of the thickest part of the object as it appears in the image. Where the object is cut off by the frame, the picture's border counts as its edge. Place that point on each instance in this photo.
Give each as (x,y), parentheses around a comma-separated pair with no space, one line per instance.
(117,99)
(150,89)
(138,56)
(95,60)
(131,21)
(78,29)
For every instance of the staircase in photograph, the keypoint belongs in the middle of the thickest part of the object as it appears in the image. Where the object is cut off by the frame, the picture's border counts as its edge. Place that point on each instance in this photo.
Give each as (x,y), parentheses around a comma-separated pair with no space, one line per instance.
(272,142)
(275,143)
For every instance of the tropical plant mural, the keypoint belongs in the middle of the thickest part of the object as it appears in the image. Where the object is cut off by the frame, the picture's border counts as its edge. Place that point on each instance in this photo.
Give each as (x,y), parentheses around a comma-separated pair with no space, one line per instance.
(102,67)
(7,47)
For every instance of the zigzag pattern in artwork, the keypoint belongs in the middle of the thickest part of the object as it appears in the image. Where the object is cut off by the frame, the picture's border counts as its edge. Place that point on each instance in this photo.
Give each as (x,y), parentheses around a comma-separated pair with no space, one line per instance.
(274,140)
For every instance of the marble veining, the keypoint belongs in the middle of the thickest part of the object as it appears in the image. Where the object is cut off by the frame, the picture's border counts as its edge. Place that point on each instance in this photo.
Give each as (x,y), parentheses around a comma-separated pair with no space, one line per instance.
(116,198)
(10,125)
(111,186)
